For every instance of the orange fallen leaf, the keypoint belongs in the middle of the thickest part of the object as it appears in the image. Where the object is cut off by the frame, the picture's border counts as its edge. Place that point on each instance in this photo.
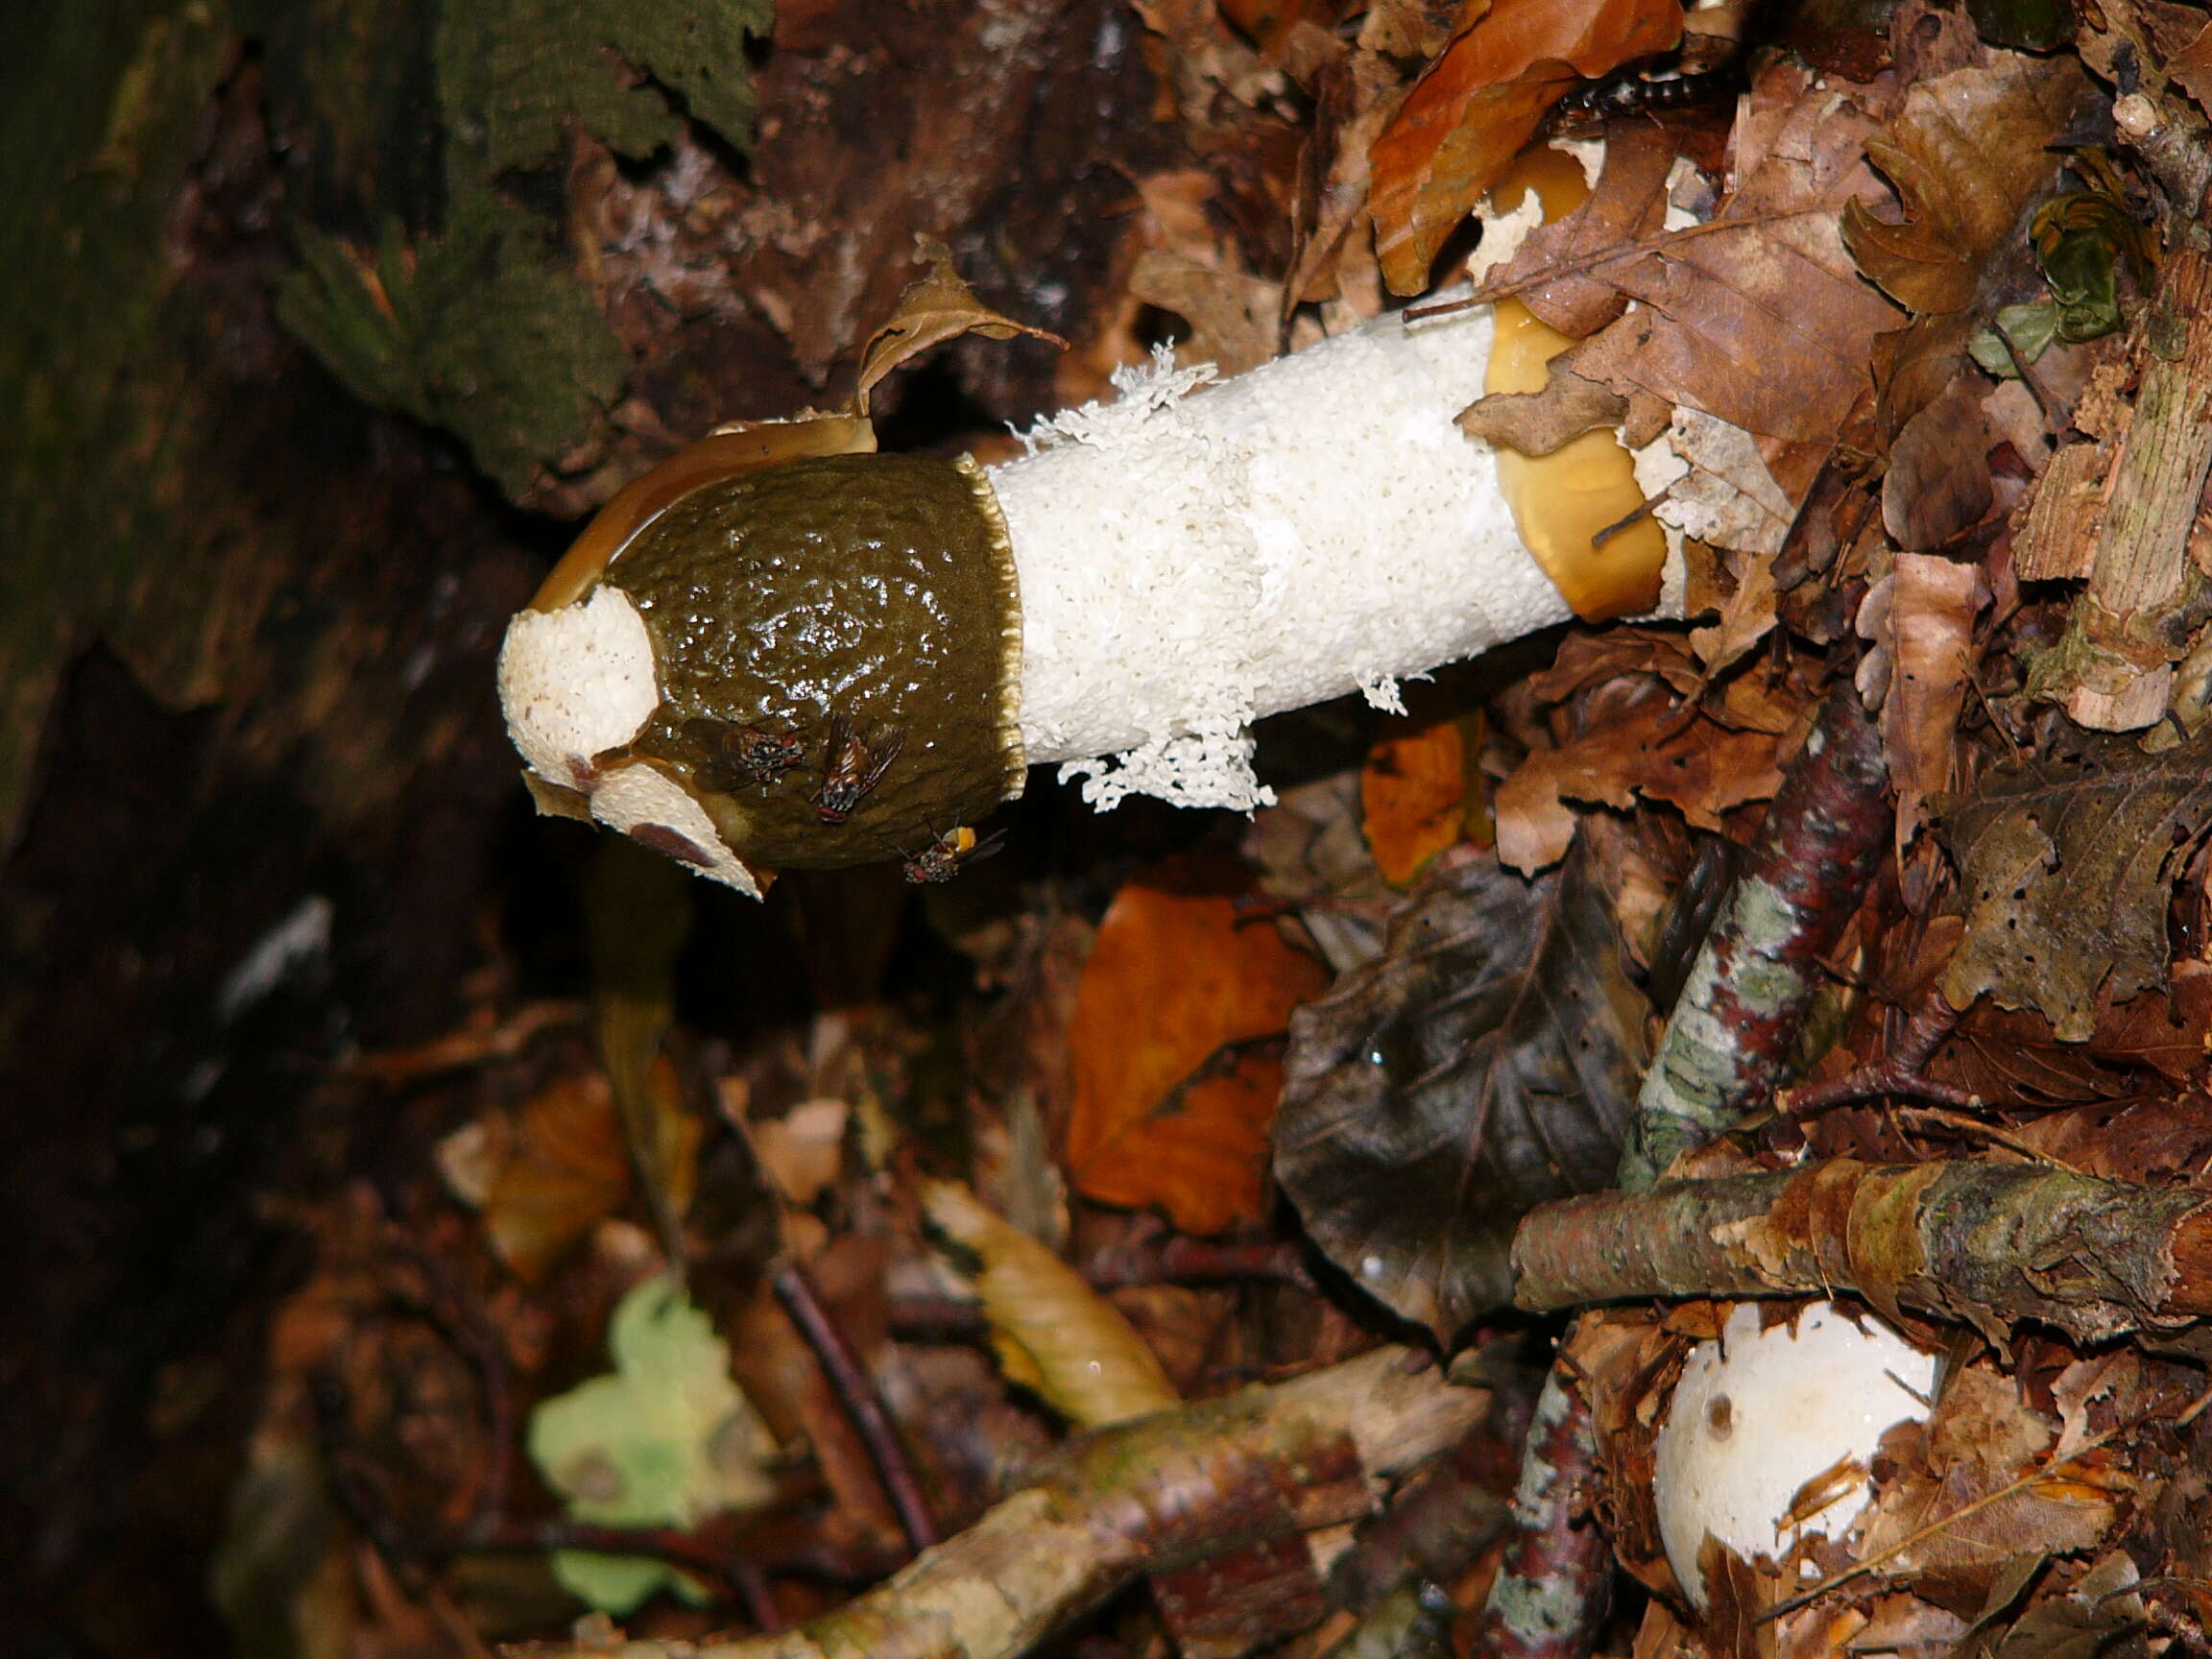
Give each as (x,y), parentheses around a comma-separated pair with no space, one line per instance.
(1172,1099)
(1413,794)
(568,1169)
(1480,102)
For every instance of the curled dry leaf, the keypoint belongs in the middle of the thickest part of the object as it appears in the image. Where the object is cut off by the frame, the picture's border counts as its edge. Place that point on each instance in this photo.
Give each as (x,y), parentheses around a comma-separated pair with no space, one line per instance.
(2068,863)
(1557,270)
(1054,1333)
(1970,152)
(1928,632)
(1638,740)
(937,306)
(1485,1063)
(1174,1047)
(1980,1442)
(1480,102)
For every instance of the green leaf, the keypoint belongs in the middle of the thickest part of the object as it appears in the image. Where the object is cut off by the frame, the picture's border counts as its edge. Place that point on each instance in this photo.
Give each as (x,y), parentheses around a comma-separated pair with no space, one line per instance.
(665,1440)
(1486,1062)
(2030,330)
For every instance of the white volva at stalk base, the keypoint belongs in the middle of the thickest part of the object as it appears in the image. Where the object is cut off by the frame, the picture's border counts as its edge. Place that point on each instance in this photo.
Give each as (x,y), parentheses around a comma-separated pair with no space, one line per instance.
(1759,1413)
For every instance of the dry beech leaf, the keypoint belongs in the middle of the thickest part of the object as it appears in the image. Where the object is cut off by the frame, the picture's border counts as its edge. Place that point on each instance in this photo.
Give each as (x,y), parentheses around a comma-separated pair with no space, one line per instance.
(2068,865)
(1479,103)
(1938,485)
(1969,153)
(1729,497)
(1413,794)
(1487,1061)
(1928,635)
(1981,1439)
(566,1171)
(1055,1334)
(1174,1047)
(1232,315)
(802,1153)
(1761,318)
(1539,423)
(937,306)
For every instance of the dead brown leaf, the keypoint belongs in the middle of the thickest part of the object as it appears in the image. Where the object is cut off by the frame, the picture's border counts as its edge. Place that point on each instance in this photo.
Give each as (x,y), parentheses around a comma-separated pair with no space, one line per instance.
(1413,794)
(1951,1522)
(2069,863)
(1638,742)
(937,306)
(567,1167)
(1231,316)
(1969,153)
(1928,632)
(1627,205)
(1479,103)
(1748,614)
(1539,423)
(1760,317)
(1937,486)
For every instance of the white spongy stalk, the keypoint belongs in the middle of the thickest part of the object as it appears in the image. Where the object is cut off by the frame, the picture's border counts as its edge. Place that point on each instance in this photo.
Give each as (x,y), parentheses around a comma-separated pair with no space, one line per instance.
(1191,560)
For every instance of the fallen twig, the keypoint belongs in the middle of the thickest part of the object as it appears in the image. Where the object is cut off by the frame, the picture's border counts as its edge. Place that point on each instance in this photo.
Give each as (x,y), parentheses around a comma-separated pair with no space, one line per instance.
(1554,1586)
(1902,1071)
(1802,878)
(1985,1244)
(856,1392)
(1120,1502)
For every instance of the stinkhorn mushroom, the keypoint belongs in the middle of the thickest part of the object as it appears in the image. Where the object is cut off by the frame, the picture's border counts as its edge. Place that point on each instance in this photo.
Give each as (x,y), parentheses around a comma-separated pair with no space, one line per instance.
(783,649)
(1769,1432)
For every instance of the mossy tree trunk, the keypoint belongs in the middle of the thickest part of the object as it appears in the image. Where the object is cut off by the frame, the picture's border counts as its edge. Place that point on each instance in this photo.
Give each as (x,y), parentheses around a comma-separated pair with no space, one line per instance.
(323,322)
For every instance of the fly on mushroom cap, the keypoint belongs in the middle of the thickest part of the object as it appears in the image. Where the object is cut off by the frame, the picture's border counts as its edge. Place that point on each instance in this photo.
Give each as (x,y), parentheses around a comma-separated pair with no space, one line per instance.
(833,643)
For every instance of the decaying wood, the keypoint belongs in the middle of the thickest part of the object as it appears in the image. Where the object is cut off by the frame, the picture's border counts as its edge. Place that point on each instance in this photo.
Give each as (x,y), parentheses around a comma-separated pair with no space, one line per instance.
(2114,669)
(1757,971)
(1139,1497)
(1989,1245)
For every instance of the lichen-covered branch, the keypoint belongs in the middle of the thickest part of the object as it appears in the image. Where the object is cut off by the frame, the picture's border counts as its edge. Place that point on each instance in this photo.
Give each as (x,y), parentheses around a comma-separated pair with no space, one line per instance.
(1802,878)
(1985,1244)
(1139,1497)
(1554,1586)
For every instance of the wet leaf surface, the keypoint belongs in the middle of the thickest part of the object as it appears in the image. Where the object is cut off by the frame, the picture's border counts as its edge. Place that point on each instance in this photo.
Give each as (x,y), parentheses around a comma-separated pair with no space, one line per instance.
(1486,1062)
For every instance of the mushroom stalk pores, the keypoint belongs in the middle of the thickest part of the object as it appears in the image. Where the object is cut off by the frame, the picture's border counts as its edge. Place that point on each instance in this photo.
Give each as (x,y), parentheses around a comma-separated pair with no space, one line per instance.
(843,658)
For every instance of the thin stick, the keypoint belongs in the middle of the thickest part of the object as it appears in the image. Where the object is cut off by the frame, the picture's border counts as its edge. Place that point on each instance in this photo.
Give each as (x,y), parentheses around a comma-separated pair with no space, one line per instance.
(856,1392)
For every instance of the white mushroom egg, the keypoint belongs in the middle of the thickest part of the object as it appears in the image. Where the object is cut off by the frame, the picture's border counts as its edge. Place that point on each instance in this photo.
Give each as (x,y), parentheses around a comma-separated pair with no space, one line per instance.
(1760,1413)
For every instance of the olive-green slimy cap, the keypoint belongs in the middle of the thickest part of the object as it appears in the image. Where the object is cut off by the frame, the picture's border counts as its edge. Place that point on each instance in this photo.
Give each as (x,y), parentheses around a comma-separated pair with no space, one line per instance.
(813,620)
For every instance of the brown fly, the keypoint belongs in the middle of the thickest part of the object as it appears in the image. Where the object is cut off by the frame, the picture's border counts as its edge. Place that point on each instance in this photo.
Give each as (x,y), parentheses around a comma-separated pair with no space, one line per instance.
(737,756)
(851,765)
(949,854)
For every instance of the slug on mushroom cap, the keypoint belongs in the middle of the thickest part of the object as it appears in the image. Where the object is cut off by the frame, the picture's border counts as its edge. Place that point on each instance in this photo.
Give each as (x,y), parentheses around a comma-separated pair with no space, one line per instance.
(1761,1415)
(782,649)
